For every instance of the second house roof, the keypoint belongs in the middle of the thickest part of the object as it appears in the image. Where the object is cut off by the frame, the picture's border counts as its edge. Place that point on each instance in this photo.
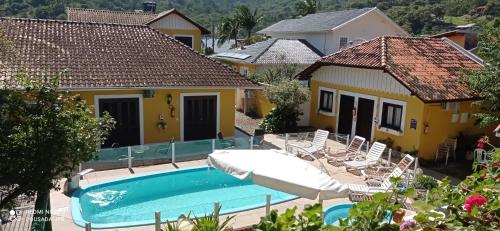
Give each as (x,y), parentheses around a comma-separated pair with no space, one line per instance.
(431,68)
(274,51)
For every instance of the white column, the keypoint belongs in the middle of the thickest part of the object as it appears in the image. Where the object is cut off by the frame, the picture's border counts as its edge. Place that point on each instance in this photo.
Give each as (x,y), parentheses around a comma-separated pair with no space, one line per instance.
(129,157)
(251,142)
(268,204)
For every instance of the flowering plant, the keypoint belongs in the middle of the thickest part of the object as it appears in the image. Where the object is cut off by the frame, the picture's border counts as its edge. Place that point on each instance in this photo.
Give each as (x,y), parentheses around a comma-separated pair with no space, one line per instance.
(474,201)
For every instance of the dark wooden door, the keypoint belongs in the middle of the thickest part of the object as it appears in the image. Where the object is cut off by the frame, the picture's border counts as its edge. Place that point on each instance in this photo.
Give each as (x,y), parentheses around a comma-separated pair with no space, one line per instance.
(125,111)
(345,114)
(364,118)
(200,117)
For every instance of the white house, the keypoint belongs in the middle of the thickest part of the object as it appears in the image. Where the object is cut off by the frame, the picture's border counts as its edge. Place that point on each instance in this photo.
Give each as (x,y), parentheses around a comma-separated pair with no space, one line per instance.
(331,31)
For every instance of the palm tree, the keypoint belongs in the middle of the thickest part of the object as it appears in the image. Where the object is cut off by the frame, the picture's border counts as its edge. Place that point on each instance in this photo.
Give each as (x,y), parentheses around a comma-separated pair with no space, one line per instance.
(305,7)
(247,19)
(228,29)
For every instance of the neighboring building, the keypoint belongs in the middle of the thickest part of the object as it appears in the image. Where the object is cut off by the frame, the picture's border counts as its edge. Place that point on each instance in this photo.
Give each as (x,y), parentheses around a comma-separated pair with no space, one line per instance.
(261,56)
(171,22)
(465,38)
(331,31)
(149,82)
(405,89)
(224,47)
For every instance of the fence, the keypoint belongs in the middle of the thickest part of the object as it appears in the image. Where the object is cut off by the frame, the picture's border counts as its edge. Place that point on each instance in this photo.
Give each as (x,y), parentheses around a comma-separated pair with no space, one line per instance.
(169,152)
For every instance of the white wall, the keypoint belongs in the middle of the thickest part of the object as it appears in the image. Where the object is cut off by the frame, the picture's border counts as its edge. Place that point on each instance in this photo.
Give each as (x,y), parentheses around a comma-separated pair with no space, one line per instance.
(367,27)
(362,78)
(173,21)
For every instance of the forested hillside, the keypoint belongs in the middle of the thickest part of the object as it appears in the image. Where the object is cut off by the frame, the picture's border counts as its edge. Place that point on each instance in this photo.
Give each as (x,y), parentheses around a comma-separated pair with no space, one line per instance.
(418,17)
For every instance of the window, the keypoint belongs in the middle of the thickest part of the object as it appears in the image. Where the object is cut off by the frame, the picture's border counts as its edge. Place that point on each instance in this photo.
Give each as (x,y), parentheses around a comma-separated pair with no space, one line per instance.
(326,101)
(244,71)
(391,116)
(188,40)
(343,42)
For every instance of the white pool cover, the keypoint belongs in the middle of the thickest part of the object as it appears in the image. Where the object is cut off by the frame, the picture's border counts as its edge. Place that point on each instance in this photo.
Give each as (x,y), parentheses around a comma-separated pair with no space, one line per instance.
(277,170)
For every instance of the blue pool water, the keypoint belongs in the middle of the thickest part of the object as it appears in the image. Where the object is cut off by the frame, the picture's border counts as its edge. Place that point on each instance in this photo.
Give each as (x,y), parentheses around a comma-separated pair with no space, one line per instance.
(133,201)
(335,212)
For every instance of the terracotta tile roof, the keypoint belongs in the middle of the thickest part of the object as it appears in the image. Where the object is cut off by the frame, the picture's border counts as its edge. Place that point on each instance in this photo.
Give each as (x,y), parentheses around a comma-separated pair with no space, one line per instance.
(124,17)
(430,68)
(108,16)
(94,55)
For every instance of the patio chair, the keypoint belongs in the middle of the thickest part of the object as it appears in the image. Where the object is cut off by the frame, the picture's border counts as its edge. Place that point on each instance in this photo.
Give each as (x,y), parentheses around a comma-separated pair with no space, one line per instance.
(347,153)
(371,158)
(403,164)
(443,152)
(360,192)
(317,145)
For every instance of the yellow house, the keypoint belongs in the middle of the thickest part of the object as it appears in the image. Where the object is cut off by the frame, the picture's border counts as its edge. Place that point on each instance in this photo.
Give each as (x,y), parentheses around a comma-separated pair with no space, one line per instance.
(404,89)
(171,22)
(262,56)
(155,87)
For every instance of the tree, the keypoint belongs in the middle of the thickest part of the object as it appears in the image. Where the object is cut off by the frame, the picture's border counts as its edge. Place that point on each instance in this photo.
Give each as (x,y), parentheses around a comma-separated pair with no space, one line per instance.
(286,93)
(487,80)
(228,29)
(247,19)
(305,7)
(46,133)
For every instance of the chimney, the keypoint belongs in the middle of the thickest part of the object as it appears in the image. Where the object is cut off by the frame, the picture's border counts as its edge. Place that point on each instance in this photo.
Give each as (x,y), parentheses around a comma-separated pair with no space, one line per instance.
(149,6)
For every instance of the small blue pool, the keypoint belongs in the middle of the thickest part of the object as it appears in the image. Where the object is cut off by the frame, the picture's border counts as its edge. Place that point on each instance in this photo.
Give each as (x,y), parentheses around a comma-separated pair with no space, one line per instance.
(335,212)
(133,201)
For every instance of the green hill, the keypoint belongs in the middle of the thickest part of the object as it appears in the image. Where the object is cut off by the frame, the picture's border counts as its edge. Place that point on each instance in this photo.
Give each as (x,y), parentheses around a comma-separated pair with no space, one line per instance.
(418,17)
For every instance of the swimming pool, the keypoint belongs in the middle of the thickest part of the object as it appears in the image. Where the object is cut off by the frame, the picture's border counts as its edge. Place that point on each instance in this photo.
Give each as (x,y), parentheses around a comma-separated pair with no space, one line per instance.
(335,212)
(133,201)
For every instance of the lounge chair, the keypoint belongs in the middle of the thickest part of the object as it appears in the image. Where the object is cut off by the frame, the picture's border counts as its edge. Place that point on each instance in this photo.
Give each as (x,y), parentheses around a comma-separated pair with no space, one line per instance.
(378,175)
(347,153)
(371,158)
(360,192)
(317,145)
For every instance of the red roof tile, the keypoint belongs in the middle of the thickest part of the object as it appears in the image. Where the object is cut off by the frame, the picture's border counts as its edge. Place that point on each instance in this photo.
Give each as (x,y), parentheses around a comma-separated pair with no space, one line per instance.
(124,17)
(429,67)
(94,55)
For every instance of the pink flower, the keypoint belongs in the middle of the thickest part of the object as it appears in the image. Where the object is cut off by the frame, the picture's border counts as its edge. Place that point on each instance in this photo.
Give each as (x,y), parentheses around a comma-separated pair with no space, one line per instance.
(473,201)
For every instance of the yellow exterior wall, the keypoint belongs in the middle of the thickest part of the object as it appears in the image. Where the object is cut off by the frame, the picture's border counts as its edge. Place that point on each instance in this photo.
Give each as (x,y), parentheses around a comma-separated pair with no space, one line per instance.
(262,104)
(438,120)
(195,33)
(409,141)
(154,106)
(441,126)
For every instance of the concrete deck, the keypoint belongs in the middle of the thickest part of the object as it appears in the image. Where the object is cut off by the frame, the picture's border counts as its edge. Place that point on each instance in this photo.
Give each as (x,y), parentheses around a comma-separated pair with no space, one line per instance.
(62,220)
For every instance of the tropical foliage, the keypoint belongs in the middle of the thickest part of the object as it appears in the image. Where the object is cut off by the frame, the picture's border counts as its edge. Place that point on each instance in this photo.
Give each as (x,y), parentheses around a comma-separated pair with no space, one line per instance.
(34,150)
(248,20)
(305,7)
(286,93)
(487,80)
(418,17)
(310,219)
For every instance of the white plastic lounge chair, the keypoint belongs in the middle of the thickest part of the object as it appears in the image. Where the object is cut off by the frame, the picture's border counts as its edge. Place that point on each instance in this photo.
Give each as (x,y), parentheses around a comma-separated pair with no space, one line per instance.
(403,164)
(364,191)
(349,152)
(371,158)
(317,145)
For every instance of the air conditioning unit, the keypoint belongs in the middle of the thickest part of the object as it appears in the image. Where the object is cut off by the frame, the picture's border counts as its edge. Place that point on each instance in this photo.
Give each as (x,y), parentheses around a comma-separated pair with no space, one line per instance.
(450,106)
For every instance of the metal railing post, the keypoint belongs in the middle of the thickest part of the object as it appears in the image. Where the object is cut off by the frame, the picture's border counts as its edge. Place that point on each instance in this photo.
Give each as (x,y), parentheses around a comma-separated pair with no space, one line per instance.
(213,145)
(157,221)
(216,206)
(251,142)
(416,167)
(347,141)
(268,204)
(367,146)
(129,156)
(88,227)
(286,141)
(390,156)
(173,153)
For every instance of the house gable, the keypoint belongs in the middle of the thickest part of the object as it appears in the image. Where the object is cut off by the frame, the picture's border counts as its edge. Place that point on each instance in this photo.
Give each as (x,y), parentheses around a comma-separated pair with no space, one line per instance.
(372,79)
(173,21)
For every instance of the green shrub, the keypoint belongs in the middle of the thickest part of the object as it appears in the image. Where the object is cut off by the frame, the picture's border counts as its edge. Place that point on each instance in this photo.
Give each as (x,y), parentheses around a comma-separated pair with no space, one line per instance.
(280,120)
(425,182)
